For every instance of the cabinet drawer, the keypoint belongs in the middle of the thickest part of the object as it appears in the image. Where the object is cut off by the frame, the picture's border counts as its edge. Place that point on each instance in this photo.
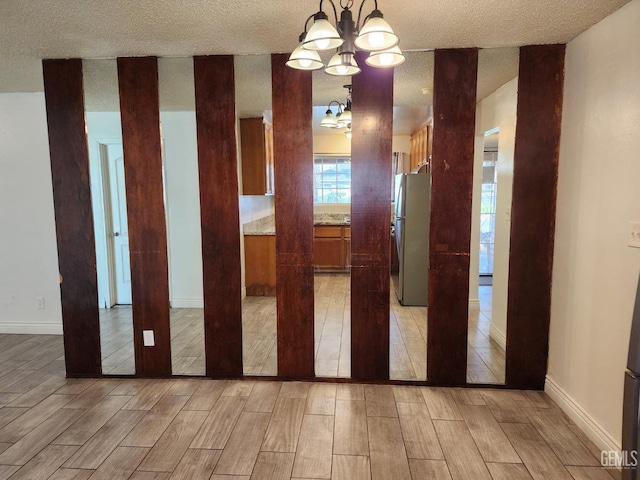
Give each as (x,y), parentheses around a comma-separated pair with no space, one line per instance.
(327,232)
(347,232)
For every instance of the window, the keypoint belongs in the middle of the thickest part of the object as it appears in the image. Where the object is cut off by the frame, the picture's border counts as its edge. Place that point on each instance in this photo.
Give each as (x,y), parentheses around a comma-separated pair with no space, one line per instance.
(331,179)
(488,212)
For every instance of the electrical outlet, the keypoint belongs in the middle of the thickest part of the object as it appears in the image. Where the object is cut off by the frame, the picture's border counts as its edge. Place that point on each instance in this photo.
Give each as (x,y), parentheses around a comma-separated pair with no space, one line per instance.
(40,303)
(147,338)
(634,234)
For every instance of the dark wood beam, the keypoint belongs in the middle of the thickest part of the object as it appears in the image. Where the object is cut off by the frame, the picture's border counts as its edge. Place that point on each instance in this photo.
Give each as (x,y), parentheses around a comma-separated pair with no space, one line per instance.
(535,178)
(140,114)
(217,161)
(371,160)
(64,96)
(454,113)
(293,178)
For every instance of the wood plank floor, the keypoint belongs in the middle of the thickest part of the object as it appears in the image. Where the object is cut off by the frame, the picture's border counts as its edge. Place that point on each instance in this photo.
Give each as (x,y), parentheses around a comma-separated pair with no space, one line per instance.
(408,337)
(56,428)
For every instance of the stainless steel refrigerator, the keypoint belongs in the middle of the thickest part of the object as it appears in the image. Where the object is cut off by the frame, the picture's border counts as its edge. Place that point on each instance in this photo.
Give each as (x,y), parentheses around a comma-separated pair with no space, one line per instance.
(631,402)
(411,234)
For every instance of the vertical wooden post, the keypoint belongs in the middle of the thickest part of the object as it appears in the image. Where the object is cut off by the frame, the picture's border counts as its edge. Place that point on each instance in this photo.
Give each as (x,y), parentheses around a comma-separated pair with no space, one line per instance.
(140,113)
(74,217)
(454,113)
(217,161)
(371,160)
(535,177)
(293,174)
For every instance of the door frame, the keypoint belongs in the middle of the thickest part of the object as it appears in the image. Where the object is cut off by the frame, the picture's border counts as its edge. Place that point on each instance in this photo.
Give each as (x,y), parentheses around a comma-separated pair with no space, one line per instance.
(105,186)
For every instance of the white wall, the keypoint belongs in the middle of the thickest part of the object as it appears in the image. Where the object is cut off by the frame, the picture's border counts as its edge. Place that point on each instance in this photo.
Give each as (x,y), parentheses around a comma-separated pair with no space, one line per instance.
(498,110)
(28,254)
(595,273)
(182,202)
(183,208)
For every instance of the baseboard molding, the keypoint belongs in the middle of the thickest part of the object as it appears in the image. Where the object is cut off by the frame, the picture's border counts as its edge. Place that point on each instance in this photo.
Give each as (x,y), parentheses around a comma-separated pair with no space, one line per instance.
(498,336)
(474,304)
(187,302)
(31,328)
(596,432)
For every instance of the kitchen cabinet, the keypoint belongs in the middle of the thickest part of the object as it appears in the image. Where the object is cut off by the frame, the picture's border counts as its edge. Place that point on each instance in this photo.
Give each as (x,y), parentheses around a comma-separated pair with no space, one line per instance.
(256,147)
(260,265)
(332,247)
(421,145)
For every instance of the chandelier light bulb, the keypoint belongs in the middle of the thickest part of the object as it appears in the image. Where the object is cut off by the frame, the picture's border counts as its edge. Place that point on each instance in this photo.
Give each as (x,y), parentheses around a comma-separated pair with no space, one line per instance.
(302,59)
(376,34)
(386,58)
(342,64)
(322,35)
(376,39)
(322,44)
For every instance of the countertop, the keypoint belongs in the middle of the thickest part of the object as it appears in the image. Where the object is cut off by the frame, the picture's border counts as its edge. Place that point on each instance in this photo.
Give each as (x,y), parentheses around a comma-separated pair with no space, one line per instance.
(267,225)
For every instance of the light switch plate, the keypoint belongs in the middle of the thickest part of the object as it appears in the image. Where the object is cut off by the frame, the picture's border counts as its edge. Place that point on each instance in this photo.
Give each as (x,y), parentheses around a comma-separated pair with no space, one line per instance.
(147,338)
(634,234)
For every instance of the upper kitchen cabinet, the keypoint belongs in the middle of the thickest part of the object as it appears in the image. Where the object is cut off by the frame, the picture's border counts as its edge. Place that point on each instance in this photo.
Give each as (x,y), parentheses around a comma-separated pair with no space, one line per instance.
(421,145)
(256,145)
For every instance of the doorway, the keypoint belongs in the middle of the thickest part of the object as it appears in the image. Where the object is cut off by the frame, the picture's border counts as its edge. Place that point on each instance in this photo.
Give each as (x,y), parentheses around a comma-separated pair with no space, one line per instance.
(115,213)
(488,208)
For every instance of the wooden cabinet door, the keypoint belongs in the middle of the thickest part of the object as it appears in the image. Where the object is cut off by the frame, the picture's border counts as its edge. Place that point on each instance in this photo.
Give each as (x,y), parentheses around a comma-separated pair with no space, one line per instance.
(328,248)
(260,265)
(256,145)
(347,247)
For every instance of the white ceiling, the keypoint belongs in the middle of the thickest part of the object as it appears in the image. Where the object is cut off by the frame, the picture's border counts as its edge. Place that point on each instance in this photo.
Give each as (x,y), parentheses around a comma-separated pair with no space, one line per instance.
(34,29)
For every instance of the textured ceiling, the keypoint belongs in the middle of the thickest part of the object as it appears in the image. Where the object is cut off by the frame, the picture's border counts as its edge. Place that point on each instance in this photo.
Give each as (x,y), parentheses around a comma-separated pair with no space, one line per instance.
(101,29)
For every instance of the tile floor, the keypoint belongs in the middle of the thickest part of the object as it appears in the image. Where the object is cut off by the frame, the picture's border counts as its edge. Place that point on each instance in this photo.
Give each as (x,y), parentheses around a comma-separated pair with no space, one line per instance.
(62,429)
(408,334)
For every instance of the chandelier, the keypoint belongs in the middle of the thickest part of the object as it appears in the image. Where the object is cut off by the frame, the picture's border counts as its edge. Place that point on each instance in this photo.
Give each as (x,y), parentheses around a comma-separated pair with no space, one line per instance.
(375,36)
(343,115)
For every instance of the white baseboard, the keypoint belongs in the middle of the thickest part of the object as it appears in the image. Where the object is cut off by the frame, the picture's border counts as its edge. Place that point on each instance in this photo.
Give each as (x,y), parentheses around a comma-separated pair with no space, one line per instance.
(596,432)
(474,304)
(31,328)
(187,302)
(498,336)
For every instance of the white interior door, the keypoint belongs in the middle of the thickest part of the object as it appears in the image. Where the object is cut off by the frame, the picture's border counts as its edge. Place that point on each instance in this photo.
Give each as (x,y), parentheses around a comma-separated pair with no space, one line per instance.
(119,234)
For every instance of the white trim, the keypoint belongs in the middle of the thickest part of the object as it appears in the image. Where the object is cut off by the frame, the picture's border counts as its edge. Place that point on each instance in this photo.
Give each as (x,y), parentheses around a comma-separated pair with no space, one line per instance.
(187,302)
(596,432)
(474,304)
(244,292)
(31,328)
(498,336)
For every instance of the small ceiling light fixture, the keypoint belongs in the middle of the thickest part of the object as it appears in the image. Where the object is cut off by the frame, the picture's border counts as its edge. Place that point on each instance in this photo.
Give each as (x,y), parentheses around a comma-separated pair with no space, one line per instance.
(375,36)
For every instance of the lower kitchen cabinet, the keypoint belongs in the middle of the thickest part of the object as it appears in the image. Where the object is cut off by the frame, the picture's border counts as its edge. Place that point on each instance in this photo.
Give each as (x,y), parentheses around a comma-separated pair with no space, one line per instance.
(332,247)
(260,265)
